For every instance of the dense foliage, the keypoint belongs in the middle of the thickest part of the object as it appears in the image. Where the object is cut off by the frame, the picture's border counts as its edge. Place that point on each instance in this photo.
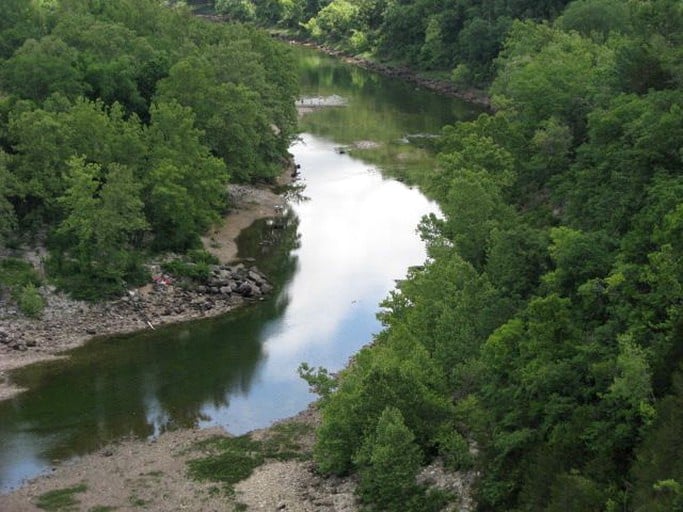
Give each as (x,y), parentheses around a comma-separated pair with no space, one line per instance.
(542,342)
(463,36)
(121,123)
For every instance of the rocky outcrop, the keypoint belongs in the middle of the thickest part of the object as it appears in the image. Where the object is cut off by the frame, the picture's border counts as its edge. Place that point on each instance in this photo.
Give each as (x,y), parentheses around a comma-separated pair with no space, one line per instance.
(66,323)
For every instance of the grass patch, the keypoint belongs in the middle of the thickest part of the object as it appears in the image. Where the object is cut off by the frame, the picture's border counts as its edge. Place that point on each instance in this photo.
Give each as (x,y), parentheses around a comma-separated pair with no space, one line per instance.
(61,499)
(101,508)
(284,444)
(195,265)
(234,459)
(137,502)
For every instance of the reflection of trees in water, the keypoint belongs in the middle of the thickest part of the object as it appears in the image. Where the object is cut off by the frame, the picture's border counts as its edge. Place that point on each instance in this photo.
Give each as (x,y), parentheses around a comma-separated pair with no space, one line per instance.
(155,380)
(272,242)
(380,108)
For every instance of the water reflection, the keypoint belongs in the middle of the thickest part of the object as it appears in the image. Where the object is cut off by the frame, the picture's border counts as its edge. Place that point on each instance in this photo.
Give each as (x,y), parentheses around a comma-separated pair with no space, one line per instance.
(140,385)
(357,235)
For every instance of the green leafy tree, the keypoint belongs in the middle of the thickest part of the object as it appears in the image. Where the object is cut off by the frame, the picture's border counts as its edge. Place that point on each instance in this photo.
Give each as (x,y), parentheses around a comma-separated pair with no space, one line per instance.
(388,462)
(658,469)
(549,73)
(575,493)
(335,21)
(185,186)
(629,143)
(7,215)
(241,10)
(42,67)
(233,119)
(398,373)
(595,18)
(45,139)
(18,22)
(578,257)
(103,215)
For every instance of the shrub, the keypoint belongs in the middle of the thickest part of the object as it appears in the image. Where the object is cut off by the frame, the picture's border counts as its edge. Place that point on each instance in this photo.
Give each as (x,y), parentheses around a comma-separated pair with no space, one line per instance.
(388,462)
(30,301)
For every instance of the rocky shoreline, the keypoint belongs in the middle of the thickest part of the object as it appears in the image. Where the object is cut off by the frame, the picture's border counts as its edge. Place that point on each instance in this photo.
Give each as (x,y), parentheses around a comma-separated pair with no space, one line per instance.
(67,323)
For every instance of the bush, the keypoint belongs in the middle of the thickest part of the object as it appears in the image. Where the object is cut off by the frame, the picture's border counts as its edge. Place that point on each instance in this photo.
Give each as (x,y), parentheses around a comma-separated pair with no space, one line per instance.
(15,273)
(181,268)
(454,449)
(388,463)
(202,256)
(30,301)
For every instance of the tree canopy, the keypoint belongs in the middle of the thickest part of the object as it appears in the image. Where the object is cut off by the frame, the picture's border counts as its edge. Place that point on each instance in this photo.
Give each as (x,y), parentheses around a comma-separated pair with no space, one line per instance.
(545,329)
(121,124)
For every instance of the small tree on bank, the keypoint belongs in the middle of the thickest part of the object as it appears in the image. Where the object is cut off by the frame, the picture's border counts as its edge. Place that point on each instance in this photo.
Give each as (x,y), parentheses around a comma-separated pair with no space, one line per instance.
(388,462)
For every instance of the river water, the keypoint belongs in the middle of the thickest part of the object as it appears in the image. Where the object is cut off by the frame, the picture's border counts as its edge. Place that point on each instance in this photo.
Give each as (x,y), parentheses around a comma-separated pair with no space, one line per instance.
(349,234)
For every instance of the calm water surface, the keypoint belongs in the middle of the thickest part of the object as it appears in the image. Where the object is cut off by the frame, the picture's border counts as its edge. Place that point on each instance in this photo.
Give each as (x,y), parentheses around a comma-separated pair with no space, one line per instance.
(349,234)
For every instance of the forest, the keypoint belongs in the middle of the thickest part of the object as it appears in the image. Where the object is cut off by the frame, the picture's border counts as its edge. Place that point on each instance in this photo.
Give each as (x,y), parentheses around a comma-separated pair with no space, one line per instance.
(121,123)
(541,344)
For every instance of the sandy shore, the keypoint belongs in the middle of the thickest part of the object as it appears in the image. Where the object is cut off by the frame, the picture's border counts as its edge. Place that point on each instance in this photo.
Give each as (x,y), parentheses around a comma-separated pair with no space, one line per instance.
(152,475)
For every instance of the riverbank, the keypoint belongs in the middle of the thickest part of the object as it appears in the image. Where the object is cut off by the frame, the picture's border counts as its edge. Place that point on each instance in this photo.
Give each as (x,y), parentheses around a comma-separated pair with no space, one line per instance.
(153,475)
(68,323)
(442,87)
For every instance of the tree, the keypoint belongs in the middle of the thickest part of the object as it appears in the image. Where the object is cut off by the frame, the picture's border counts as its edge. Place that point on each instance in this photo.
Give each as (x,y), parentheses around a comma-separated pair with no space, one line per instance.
(185,186)
(42,67)
(17,23)
(578,257)
(239,10)
(595,18)
(658,469)
(335,21)
(388,462)
(234,121)
(103,215)
(546,73)
(7,215)
(397,372)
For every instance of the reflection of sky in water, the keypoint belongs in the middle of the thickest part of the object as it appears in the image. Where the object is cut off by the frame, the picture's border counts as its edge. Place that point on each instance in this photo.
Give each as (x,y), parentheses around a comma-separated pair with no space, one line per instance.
(357,237)
(21,455)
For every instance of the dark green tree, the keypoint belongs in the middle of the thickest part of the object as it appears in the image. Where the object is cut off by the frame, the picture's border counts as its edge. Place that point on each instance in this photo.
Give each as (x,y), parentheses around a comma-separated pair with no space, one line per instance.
(388,462)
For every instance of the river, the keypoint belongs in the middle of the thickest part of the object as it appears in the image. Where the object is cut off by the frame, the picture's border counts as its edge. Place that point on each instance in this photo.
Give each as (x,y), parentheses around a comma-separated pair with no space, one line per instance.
(349,234)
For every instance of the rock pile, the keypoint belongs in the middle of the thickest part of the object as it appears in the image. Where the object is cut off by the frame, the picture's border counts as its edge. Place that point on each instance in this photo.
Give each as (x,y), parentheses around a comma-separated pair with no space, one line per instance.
(67,322)
(237,280)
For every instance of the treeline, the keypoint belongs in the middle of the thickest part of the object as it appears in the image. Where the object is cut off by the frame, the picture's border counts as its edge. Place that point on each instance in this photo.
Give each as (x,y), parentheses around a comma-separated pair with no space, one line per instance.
(122,121)
(458,36)
(541,344)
